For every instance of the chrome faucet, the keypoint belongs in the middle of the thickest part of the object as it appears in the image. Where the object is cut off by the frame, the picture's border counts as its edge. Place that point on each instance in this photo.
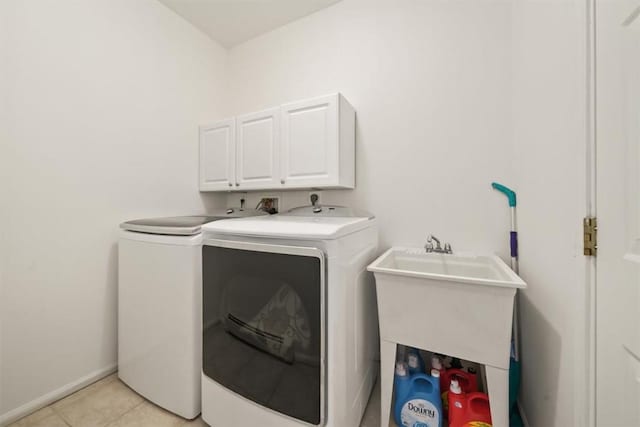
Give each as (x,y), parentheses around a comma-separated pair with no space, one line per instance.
(438,248)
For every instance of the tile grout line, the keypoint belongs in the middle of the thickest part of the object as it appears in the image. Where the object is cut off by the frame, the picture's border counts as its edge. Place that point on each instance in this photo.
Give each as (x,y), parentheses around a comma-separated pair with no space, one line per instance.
(62,418)
(59,414)
(53,409)
(110,422)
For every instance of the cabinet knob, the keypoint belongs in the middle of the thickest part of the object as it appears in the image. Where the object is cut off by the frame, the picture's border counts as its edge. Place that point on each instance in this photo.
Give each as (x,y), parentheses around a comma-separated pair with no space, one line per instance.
(237,184)
(230,185)
(282,181)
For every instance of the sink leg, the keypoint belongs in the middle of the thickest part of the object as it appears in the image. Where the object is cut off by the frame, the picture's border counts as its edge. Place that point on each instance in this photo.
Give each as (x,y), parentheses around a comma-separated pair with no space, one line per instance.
(498,389)
(387,369)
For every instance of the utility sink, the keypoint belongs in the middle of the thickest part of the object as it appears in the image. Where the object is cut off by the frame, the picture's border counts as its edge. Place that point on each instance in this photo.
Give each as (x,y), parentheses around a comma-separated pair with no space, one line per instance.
(457,304)
(487,270)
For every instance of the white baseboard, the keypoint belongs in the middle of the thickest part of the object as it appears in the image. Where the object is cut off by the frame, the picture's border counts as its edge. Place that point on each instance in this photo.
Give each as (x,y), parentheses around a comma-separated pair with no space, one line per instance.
(522,414)
(49,398)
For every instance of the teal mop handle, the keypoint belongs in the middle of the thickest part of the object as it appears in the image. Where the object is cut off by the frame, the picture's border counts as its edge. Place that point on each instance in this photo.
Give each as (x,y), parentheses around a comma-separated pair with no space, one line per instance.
(514,363)
(513,241)
(513,234)
(511,195)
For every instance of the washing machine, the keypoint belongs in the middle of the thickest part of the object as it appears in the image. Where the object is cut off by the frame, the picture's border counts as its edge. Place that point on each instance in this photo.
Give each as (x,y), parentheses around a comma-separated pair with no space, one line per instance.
(159,303)
(289,319)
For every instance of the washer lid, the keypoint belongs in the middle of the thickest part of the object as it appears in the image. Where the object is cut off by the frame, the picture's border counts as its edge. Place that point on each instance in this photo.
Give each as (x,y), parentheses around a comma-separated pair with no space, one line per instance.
(174,225)
(290,227)
(183,225)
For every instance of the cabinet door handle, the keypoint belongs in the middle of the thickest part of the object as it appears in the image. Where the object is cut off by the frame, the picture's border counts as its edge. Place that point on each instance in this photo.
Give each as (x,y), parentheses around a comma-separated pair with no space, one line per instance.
(237,184)
(230,185)
(282,181)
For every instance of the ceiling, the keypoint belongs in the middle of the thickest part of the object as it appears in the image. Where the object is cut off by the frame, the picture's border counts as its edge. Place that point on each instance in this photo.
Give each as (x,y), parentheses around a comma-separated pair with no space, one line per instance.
(231,22)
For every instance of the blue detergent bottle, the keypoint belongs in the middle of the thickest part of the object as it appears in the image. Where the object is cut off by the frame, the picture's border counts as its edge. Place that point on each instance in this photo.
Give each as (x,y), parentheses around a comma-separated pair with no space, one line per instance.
(401,381)
(435,374)
(421,405)
(415,361)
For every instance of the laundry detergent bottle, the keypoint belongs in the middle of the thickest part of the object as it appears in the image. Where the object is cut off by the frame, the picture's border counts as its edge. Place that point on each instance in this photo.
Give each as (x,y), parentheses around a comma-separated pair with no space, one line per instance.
(422,405)
(477,411)
(457,404)
(401,381)
(468,380)
(415,362)
(436,375)
(436,363)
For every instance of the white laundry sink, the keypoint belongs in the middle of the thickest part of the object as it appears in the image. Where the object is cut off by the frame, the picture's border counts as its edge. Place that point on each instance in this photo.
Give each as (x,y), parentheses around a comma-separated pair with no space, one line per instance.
(488,270)
(456,304)
(460,305)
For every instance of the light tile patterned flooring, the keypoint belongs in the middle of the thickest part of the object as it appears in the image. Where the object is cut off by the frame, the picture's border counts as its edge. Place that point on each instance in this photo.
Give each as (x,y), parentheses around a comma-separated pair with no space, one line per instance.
(110,403)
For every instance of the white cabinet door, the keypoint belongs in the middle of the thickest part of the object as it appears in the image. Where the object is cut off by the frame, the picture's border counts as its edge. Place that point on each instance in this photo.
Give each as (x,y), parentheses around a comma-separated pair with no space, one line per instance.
(310,143)
(258,150)
(217,156)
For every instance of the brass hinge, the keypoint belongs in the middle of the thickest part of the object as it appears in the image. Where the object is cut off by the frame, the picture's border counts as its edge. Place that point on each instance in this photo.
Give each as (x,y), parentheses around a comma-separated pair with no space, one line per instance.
(590,232)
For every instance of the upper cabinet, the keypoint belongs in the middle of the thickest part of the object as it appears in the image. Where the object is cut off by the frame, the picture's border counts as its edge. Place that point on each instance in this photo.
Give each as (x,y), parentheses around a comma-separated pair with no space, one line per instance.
(258,150)
(302,144)
(218,156)
(318,138)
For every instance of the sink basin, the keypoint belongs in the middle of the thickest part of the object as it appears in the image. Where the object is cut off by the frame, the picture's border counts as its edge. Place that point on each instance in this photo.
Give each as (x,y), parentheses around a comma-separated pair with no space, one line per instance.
(488,270)
(459,304)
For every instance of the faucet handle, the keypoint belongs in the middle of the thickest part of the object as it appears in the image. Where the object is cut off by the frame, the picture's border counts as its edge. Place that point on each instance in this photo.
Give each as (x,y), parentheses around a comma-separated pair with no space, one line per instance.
(429,246)
(447,248)
(431,238)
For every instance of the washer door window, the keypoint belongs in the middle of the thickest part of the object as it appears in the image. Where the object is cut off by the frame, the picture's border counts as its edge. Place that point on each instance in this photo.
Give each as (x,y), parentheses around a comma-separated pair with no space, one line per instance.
(263,324)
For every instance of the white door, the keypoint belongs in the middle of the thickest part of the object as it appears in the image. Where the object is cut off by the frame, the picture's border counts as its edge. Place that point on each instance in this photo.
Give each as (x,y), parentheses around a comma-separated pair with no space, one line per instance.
(258,150)
(310,143)
(217,156)
(618,205)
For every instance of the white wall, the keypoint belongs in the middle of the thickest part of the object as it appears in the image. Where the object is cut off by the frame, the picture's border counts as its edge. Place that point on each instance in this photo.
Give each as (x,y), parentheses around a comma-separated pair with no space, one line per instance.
(104,102)
(430,82)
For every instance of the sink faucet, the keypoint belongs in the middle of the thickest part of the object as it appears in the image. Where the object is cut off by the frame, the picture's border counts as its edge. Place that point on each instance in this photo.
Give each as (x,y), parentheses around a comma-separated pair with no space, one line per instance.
(438,248)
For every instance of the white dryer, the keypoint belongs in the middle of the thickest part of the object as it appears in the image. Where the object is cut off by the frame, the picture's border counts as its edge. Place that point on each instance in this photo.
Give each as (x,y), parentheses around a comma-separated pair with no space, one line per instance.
(289,319)
(159,308)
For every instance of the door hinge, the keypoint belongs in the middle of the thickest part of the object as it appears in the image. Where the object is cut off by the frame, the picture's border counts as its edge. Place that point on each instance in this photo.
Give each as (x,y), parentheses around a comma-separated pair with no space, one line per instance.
(590,233)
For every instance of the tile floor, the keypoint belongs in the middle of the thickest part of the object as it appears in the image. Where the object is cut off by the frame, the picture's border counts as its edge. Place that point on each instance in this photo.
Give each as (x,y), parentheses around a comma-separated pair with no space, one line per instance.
(110,403)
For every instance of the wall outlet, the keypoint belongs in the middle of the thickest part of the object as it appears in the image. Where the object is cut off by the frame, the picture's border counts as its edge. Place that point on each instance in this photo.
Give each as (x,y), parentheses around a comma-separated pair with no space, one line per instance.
(313,194)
